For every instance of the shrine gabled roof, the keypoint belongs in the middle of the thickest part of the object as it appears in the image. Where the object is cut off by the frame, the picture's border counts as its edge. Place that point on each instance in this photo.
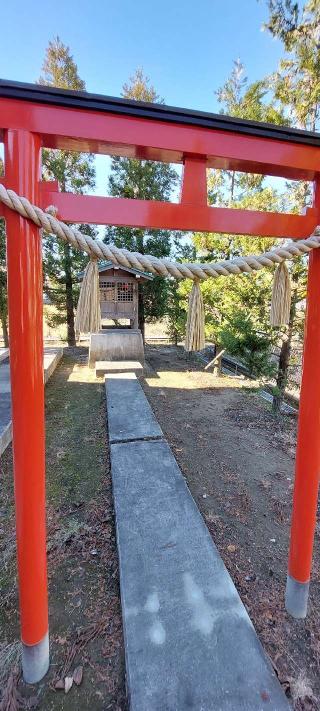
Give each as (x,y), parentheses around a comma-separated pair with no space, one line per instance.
(105,265)
(54,96)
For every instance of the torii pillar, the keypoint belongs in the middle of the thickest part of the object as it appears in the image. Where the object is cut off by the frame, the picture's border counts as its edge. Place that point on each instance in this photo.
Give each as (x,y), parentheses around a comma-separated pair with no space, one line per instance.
(24,259)
(307,469)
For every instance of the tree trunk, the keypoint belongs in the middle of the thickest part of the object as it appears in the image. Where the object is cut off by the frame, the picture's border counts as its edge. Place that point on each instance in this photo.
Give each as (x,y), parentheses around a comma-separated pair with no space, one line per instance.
(140,248)
(284,362)
(4,326)
(69,297)
(141,310)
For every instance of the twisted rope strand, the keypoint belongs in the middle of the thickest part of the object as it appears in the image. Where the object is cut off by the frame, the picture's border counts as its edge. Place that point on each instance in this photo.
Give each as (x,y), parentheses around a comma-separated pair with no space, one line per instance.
(146,262)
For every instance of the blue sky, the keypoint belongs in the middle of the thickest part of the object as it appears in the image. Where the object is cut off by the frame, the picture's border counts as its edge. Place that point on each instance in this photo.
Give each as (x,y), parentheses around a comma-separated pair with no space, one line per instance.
(186,48)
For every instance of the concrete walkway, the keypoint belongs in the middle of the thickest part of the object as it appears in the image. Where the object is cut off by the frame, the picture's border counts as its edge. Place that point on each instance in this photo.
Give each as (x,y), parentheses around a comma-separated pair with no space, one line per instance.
(4,354)
(52,356)
(189,643)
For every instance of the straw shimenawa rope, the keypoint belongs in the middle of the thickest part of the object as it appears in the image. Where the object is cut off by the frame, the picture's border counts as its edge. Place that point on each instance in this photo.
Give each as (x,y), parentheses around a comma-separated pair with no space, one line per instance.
(281,296)
(146,262)
(88,315)
(195,340)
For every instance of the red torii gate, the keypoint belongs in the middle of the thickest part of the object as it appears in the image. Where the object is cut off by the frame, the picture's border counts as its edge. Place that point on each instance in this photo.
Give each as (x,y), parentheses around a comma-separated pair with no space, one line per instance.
(32,117)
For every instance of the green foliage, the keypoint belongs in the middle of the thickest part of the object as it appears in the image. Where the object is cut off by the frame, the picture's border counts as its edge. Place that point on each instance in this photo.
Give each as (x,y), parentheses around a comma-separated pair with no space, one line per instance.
(237,308)
(178,292)
(296,84)
(237,317)
(144,180)
(241,339)
(296,87)
(139,88)
(141,179)
(176,312)
(75,173)
(59,68)
(238,98)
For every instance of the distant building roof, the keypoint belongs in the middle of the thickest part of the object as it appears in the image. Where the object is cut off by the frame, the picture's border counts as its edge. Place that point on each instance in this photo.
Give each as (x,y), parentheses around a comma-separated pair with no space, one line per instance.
(107,264)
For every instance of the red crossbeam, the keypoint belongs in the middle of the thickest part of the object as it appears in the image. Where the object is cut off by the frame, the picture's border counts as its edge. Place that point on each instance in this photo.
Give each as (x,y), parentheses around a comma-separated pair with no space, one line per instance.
(91,209)
(165,215)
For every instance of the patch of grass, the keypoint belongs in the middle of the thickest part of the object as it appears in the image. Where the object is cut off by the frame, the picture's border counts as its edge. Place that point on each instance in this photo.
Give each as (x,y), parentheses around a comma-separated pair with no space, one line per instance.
(73,441)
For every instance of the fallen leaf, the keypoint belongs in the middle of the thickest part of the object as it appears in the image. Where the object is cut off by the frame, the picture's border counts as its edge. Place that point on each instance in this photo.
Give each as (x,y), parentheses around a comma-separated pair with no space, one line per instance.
(231,548)
(61,640)
(68,683)
(77,675)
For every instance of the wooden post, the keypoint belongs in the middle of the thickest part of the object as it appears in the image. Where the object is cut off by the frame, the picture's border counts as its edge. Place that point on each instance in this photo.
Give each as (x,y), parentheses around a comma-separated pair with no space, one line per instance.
(194,182)
(136,305)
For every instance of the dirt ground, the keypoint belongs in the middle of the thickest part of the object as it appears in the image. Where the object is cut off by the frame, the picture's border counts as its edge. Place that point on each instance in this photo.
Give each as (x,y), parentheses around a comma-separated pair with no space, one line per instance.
(238,461)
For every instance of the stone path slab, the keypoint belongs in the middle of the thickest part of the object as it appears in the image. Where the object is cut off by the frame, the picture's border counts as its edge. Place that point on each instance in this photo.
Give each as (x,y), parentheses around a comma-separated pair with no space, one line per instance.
(118,366)
(5,407)
(52,356)
(130,416)
(189,642)
(4,354)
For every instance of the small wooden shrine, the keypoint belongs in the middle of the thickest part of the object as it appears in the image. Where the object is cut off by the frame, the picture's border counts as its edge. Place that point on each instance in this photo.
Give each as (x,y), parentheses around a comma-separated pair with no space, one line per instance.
(119,292)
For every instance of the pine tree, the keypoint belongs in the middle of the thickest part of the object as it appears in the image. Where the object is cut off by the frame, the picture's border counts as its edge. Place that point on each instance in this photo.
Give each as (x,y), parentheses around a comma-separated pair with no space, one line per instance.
(237,311)
(242,323)
(144,180)
(297,82)
(75,173)
(296,87)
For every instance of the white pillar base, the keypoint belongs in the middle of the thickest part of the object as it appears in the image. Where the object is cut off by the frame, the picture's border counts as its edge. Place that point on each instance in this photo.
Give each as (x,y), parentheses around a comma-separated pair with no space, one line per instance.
(296,598)
(35,660)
